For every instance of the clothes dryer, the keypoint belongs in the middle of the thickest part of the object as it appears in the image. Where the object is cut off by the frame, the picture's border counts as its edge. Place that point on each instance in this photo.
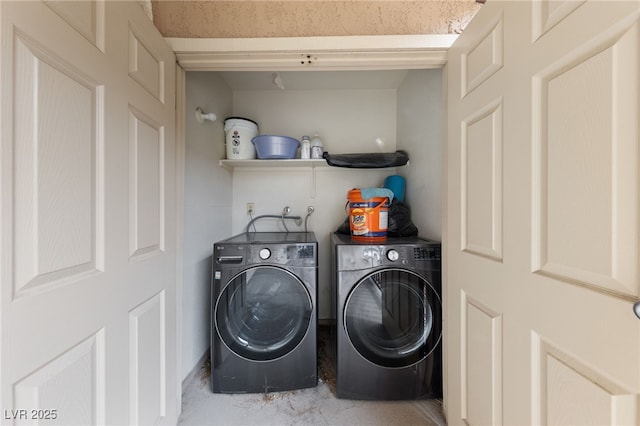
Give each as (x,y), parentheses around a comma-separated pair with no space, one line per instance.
(388,331)
(264,312)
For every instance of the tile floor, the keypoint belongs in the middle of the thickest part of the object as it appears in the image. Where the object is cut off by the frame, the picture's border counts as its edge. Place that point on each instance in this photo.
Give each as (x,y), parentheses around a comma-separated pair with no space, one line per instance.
(314,406)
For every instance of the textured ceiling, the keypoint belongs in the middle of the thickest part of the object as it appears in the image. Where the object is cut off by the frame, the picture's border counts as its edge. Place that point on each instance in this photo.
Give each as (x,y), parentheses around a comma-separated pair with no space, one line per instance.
(247,19)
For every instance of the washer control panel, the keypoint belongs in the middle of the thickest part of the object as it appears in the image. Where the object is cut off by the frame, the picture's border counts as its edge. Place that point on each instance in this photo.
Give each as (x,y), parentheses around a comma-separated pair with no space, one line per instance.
(301,254)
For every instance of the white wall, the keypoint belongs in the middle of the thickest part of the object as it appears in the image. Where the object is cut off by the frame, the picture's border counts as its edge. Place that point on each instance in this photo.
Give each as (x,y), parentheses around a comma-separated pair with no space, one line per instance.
(207,209)
(420,133)
(347,120)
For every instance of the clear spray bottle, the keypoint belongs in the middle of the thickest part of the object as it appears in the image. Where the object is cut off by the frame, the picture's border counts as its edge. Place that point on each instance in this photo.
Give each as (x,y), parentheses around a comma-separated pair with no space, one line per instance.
(316,147)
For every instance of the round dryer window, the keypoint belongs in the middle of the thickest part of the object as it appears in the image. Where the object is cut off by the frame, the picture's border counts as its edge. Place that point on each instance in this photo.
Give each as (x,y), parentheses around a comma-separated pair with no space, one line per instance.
(263,313)
(393,318)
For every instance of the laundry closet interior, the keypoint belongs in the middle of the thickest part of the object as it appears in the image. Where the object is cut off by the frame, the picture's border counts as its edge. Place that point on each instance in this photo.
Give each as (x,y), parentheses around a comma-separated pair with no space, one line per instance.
(350,108)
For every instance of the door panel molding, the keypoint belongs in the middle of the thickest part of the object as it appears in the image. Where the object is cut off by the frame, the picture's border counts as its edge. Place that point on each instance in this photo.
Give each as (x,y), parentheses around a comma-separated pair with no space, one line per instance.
(590,201)
(547,14)
(147,361)
(481,180)
(69,389)
(145,66)
(481,363)
(86,17)
(561,379)
(58,227)
(147,186)
(483,59)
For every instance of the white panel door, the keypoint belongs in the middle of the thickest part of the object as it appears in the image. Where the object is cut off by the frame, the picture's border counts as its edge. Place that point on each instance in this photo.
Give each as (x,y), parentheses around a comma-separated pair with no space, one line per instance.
(542,226)
(88,252)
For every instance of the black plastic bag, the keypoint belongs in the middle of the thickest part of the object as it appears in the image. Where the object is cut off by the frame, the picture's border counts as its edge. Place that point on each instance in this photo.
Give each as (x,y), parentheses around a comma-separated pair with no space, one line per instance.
(400,224)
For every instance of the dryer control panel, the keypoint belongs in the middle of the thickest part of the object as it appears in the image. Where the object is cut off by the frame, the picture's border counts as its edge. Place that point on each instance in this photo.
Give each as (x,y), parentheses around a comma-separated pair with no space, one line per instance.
(397,252)
(356,257)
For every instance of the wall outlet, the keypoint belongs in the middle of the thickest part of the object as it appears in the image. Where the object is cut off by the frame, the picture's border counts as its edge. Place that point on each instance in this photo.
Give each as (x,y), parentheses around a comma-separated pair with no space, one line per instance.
(251,208)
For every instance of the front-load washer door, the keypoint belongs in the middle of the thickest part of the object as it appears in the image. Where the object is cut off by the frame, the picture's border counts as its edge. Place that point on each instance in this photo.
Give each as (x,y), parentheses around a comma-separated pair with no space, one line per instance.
(263,313)
(393,318)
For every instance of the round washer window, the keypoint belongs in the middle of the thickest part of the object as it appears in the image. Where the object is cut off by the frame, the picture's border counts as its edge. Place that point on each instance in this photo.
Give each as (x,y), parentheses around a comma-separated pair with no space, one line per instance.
(263,313)
(393,318)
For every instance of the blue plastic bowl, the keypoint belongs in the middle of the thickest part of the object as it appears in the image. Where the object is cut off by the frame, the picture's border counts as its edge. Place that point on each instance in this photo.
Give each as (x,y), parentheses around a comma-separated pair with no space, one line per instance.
(274,147)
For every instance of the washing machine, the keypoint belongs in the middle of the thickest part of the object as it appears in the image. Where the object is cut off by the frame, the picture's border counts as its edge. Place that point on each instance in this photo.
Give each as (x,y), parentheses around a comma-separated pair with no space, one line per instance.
(264,312)
(387,337)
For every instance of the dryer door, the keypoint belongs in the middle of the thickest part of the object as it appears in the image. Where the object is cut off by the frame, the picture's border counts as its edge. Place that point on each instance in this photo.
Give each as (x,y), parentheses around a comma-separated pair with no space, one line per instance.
(263,313)
(393,318)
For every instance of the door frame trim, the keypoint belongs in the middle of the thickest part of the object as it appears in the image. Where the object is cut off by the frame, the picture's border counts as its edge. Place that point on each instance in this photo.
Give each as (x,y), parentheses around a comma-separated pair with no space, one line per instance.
(313,53)
(356,53)
(180,158)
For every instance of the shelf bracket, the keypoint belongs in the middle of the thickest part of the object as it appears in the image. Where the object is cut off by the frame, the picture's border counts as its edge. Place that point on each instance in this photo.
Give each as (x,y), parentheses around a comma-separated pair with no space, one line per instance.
(312,190)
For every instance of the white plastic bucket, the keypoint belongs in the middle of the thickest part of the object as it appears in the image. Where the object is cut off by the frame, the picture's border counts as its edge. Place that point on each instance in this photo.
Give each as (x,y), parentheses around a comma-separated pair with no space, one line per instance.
(239,132)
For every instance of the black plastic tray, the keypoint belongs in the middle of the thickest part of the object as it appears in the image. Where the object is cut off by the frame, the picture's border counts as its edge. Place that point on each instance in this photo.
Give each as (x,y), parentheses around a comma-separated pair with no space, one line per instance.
(373,160)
